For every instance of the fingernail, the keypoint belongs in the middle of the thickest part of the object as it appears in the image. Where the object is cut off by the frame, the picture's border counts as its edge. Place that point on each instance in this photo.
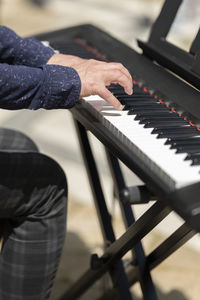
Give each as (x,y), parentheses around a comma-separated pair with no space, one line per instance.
(129,91)
(121,107)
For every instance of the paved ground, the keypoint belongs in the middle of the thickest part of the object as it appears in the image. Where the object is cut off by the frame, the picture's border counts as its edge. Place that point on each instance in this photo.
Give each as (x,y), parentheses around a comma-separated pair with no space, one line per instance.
(178,277)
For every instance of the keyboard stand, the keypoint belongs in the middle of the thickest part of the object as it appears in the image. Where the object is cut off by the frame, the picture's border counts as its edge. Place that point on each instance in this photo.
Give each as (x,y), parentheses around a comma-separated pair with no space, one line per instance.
(111,261)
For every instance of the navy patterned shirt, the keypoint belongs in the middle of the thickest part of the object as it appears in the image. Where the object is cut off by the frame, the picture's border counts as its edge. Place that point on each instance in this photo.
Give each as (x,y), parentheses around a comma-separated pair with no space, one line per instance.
(26,81)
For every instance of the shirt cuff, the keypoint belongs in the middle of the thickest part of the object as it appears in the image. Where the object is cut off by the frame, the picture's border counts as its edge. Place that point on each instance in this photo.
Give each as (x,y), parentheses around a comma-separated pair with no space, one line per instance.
(32,53)
(61,88)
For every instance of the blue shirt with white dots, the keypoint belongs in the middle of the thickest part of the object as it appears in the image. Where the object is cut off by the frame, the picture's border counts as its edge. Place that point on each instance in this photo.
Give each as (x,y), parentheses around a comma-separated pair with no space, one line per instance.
(26,81)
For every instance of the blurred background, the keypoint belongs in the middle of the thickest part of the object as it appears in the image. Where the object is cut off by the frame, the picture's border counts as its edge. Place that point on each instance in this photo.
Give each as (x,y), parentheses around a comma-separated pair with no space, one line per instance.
(178,277)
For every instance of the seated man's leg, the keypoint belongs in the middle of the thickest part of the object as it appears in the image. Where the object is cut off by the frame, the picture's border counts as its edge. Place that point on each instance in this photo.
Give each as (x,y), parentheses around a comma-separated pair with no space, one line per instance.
(33,198)
(15,140)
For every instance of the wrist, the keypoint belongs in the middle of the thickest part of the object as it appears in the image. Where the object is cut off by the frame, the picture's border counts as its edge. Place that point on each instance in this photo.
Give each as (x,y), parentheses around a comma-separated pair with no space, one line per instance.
(54,59)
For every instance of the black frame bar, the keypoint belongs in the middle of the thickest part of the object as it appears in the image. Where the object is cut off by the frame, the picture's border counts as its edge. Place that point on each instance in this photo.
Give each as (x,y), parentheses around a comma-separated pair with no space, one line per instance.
(146,283)
(117,272)
(185,64)
(163,251)
(164,21)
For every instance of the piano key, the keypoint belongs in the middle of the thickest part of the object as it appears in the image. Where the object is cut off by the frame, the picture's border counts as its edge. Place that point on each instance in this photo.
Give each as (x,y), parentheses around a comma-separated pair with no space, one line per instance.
(118,90)
(194,141)
(169,141)
(160,128)
(186,148)
(192,156)
(145,120)
(158,114)
(134,97)
(176,132)
(138,109)
(195,162)
(163,124)
(140,105)
(141,101)
(181,129)
(147,108)
(145,102)
(172,167)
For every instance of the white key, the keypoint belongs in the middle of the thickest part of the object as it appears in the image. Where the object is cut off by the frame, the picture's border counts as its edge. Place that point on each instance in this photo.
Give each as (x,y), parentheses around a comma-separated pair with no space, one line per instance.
(159,157)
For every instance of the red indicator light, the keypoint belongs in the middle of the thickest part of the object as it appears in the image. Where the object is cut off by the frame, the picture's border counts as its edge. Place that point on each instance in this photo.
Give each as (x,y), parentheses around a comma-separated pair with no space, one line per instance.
(192,124)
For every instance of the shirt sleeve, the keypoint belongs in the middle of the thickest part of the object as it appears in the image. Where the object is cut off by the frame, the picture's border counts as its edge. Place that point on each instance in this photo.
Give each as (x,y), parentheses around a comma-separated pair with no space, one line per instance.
(48,87)
(15,50)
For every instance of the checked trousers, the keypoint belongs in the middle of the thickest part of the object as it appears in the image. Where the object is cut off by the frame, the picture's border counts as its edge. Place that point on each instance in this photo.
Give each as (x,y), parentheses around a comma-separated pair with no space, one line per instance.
(33,199)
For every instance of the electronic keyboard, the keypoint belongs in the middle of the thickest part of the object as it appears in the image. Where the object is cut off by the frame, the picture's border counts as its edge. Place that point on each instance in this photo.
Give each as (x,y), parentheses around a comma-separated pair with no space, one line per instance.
(157,134)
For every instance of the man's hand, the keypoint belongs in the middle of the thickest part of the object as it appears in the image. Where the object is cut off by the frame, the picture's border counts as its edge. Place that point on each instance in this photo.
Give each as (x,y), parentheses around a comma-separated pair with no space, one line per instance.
(96,76)
(65,60)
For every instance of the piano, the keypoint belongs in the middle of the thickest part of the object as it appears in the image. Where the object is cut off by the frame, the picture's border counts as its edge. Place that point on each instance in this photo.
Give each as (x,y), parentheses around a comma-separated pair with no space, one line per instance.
(156,135)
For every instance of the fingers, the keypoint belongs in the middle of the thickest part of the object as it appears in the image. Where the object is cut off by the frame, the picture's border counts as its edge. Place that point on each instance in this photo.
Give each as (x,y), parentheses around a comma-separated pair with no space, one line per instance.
(109,97)
(121,68)
(117,73)
(96,75)
(115,66)
(117,76)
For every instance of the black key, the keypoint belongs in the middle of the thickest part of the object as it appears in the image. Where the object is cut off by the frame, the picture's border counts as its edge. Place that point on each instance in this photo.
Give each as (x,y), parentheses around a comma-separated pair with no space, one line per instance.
(181,139)
(188,142)
(173,135)
(141,101)
(145,120)
(187,148)
(136,103)
(134,96)
(142,104)
(191,156)
(195,162)
(176,132)
(118,90)
(138,109)
(158,129)
(151,109)
(163,124)
(194,157)
(156,115)
(175,129)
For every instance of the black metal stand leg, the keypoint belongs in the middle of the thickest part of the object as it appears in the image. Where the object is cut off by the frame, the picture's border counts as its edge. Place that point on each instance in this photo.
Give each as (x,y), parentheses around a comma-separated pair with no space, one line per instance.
(118,249)
(145,279)
(183,234)
(117,272)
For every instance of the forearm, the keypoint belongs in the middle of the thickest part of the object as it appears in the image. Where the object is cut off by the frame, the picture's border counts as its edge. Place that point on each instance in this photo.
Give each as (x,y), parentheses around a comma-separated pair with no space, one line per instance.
(48,87)
(22,51)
